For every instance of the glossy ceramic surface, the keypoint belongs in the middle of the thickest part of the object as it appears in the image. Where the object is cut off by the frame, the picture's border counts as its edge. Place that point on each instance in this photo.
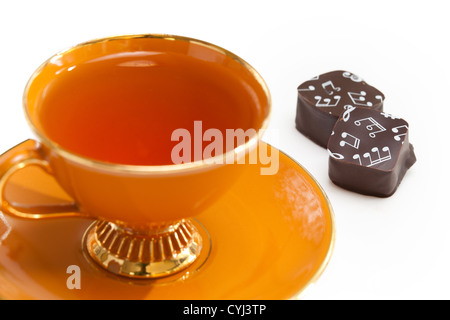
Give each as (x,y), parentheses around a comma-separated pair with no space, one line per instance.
(271,236)
(194,185)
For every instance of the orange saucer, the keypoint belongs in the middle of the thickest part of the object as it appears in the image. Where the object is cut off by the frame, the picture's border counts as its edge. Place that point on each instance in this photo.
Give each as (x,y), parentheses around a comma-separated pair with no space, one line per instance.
(271,236)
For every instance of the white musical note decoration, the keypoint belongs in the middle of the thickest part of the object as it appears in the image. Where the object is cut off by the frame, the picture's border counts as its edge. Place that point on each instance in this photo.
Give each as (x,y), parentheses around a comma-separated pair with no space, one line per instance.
(335,155)
(396,130)
(359,99)
(330,88)
(356,156)
(377,158)
(352,76)
(379,97)
(373,124)
(351,140)
(387,115)
(326,102)
(310,88)
(348,109)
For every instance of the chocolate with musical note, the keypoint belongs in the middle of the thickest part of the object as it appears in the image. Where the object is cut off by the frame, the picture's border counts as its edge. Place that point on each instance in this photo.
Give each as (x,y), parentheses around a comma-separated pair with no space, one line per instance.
(324,98)
(369,152)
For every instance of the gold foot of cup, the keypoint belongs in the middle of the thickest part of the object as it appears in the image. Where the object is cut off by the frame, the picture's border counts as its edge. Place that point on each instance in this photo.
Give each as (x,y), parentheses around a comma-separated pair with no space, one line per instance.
(159,252)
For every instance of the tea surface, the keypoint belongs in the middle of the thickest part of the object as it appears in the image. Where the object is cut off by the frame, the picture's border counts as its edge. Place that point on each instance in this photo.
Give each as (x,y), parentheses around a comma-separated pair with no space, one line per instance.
(123,108)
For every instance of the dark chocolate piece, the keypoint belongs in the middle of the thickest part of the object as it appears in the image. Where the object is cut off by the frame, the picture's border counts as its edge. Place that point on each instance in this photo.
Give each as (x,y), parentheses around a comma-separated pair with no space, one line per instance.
(322,99)
(369,152)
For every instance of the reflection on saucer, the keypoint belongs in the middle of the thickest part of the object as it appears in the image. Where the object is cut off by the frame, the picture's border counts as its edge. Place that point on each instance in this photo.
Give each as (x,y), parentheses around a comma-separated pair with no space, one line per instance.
(271,237)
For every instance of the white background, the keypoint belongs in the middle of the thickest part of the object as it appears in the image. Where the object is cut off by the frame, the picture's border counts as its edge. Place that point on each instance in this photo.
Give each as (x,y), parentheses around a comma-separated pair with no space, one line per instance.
(393,248)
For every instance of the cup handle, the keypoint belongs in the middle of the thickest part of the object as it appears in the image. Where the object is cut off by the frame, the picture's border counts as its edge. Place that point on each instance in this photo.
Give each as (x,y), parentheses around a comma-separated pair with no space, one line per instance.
(30,153)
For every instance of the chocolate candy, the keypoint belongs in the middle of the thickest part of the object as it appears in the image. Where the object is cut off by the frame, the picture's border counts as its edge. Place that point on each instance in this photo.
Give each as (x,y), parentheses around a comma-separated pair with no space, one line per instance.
(369,152)
(322,100)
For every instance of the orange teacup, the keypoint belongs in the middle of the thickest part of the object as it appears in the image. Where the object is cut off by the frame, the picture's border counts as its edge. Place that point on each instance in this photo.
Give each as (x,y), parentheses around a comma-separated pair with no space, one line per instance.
(134,200)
